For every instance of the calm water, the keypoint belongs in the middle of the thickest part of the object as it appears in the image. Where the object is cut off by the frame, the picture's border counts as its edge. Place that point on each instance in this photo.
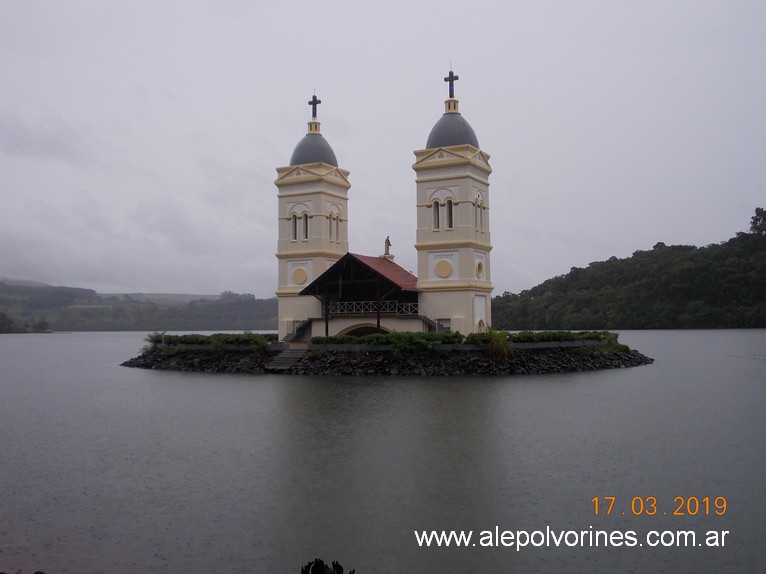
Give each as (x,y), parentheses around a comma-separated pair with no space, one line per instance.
(109,469)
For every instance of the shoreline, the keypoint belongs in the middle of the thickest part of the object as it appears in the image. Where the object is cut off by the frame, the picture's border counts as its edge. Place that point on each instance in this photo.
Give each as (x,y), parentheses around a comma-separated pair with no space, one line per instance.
(379,362)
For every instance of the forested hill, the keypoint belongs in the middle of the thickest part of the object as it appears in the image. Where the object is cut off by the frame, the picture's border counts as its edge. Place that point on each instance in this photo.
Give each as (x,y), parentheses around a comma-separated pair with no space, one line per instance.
(669,287)
(26,308)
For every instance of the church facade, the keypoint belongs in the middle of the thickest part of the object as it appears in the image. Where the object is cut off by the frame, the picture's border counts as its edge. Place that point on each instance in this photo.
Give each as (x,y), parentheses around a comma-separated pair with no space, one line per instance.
(323,289)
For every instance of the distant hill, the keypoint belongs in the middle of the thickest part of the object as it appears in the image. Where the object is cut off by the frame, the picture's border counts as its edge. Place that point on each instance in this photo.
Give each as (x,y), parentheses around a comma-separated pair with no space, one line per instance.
(669,287)
(43,307)
(161,298)
(22,282)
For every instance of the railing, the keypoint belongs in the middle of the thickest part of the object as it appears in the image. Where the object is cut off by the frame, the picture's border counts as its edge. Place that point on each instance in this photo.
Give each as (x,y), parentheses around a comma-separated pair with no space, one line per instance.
(367,307)
(296,328)
(386,307)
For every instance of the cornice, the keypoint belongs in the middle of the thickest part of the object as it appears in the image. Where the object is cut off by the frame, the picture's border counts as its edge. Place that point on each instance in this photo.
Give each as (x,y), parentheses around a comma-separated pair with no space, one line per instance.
(442,245)
(430,286)
(309,254)
(314,190)
(451,156)
(452,173)
(290,292)
(308,173)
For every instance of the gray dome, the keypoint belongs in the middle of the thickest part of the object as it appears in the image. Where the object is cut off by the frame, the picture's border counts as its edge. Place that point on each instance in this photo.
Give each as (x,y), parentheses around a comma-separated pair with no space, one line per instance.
(451,129)
(311,149)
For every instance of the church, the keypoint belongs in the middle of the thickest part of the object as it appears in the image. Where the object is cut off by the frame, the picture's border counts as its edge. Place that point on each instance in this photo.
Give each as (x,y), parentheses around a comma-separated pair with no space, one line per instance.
(324,289)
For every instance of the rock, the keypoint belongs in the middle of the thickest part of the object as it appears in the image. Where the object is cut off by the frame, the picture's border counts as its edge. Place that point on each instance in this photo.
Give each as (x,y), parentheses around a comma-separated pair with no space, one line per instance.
(444,364)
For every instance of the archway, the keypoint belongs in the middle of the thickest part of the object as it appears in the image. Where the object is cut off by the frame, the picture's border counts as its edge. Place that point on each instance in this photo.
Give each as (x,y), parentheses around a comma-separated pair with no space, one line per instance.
(363,329)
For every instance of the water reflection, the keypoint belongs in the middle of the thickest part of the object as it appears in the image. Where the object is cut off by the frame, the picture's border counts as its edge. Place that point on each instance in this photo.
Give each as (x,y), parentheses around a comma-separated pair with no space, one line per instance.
(108,469)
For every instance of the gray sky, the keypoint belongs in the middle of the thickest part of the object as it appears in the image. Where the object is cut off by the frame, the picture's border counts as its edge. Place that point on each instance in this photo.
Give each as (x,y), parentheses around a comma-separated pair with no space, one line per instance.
(139,140)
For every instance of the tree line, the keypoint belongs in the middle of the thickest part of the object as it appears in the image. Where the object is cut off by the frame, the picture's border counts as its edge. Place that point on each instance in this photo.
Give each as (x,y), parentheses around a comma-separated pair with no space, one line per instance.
(669,287)
(35,308)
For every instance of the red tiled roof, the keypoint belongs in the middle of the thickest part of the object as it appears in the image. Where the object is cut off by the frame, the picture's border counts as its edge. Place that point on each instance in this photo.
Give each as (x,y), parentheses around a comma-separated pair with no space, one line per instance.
(397,274)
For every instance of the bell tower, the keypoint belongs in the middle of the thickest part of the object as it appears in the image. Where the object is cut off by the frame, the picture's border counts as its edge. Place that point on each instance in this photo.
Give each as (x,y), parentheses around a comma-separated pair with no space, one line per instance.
(453,240)
(313,222)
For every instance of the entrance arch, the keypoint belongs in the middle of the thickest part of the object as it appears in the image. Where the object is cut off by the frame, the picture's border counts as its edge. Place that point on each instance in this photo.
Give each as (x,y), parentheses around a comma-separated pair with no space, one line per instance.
(363,329)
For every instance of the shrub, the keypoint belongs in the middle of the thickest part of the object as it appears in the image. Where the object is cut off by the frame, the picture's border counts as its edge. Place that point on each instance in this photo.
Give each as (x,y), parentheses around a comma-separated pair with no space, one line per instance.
(552,336)
(499,347)
(215,340)
(477,338)
(419,339)
(452,338)
(403,342)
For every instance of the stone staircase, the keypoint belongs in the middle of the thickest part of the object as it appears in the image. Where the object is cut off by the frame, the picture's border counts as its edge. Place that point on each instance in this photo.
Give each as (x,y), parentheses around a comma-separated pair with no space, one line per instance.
(285,360)
(299,330)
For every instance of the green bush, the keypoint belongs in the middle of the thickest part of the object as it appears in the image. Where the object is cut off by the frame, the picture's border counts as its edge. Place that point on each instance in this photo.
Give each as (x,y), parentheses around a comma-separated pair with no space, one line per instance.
(553,336)
(452,338)
(192,340)
(477,338)
(215,340)
(499,347)
(401,339)
(336,340)
(413,342)
(238,339)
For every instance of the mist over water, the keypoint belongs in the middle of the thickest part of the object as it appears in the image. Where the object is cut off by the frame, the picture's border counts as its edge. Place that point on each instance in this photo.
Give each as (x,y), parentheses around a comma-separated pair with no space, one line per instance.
(109,469)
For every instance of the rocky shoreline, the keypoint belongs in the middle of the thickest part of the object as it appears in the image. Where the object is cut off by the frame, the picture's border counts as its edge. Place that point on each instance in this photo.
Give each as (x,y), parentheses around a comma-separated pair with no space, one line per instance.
(386,363)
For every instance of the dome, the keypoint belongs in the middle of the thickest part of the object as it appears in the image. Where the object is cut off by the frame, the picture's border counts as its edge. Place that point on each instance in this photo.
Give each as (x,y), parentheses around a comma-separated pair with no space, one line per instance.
(451,129)
(311,149)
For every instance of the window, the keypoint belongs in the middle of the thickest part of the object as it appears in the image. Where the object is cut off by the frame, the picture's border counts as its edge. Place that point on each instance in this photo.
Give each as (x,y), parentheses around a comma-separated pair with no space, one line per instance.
(305,226)
(294,226)
(478,209)
(449,214)
(436,215)
(334,223)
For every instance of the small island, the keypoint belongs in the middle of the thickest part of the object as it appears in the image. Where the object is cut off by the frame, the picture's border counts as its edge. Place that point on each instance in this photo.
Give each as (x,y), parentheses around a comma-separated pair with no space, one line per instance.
(392,354)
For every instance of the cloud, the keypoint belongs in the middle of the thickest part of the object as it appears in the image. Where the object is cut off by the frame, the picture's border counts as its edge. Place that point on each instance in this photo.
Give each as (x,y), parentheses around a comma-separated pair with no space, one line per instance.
(44,138)
(138,142)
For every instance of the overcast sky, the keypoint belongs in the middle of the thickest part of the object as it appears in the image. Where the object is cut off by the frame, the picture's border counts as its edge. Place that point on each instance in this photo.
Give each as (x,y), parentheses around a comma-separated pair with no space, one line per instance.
(139,140)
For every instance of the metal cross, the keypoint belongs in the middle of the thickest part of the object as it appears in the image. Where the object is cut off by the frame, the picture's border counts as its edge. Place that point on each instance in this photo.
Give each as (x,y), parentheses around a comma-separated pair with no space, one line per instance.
(452,78)
(313,102)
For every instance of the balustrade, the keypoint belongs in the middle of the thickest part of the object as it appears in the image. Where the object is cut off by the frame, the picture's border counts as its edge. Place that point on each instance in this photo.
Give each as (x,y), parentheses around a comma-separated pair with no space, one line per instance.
(367,307)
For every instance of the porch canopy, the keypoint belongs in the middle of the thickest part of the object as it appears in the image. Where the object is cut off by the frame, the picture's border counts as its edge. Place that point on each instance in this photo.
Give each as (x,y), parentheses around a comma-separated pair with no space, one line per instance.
(365,285)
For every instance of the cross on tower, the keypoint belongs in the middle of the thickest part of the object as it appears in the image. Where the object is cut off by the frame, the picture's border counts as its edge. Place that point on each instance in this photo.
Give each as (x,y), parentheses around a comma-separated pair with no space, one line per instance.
(452,78)
(313,102)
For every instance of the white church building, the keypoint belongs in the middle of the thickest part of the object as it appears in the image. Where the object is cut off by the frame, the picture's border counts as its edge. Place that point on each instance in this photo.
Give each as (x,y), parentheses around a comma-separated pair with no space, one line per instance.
(323,289)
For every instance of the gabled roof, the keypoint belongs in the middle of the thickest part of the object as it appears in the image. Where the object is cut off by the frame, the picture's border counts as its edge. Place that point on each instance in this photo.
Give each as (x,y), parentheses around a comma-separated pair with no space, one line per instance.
(397,274)
(389,271)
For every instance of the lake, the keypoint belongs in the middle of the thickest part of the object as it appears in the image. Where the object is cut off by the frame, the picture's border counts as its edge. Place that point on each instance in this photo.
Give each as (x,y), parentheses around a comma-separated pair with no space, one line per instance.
(110,469)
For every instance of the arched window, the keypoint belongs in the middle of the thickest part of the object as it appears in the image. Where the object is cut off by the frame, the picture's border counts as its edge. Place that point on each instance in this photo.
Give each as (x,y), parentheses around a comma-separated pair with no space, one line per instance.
(333,221)
(436,214)
(305,226)
(294,227)
(449,214)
